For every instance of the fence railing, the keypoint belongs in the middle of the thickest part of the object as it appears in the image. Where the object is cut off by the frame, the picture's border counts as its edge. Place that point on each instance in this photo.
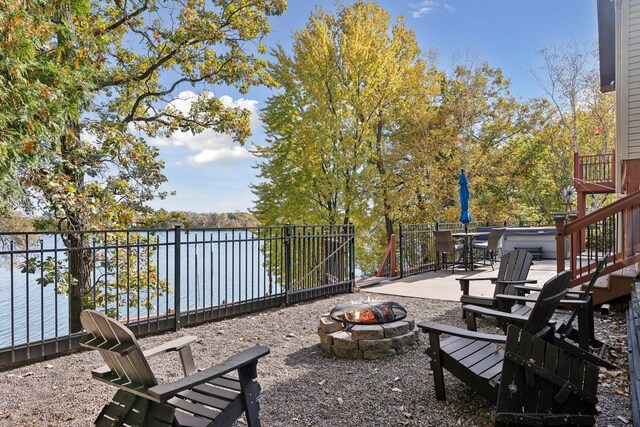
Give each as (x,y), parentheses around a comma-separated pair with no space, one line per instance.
(158,280)
(416,246)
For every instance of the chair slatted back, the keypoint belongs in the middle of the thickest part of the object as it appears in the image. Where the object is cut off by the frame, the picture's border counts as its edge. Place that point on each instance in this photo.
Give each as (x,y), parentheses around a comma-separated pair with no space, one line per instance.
(587,292)
(495,239)
(514,265)
(444,241)
(118,347)
(550,295)
(542,384)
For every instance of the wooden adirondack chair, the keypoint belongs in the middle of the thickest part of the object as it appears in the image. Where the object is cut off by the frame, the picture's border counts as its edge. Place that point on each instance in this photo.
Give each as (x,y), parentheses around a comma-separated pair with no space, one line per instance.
(474,357)
(207,398)
(514,268)
(542,384)
(580,301)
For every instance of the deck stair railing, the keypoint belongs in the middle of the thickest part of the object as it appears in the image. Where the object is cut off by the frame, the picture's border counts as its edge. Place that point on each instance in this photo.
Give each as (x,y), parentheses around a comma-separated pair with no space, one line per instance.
(612,231)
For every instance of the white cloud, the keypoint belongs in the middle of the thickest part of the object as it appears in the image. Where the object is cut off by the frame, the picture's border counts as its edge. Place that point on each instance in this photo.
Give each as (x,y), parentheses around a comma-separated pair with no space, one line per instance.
(209,146)
(418,10)
(423,8)
(220,155)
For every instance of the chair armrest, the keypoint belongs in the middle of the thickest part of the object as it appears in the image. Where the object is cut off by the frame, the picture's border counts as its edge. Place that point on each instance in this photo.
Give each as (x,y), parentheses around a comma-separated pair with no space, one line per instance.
(464,282)
(525,288)
(501,315)
(576,293)
(516,298)
(440,328)
(573,302)
(473,278)
(240,360)
(175,345)
(517,282)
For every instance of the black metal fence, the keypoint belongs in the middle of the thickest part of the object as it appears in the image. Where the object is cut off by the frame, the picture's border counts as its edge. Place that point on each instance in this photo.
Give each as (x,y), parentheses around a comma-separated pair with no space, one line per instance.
(158,280)
(416,248)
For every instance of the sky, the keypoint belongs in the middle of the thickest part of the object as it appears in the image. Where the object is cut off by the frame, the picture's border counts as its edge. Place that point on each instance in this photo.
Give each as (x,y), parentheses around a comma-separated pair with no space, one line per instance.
(211,173)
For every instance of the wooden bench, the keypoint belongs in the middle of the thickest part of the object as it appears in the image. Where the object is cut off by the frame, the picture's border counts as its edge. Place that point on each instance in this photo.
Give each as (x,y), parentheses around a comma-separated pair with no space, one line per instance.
(536,252)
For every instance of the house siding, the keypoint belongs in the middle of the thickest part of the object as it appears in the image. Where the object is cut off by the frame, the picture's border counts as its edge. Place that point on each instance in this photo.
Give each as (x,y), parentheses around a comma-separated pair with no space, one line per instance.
(633,96)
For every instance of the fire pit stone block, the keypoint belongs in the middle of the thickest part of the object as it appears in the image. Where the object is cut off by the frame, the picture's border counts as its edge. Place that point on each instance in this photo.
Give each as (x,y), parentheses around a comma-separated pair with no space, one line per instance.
(347,354)
(395,329)
(371,355)
(367,332)
(342,340)
(412,323)
(329,326)
(326,340)
(404,343)
(375,345)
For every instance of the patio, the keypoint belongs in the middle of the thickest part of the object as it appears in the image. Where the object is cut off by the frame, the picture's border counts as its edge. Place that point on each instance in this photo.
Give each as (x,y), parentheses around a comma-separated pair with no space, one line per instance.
(300,385)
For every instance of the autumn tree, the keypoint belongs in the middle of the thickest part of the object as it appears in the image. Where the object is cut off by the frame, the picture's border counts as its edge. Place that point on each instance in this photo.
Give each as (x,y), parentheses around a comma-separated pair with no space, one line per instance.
(583,116)
(351,78)
(124,66)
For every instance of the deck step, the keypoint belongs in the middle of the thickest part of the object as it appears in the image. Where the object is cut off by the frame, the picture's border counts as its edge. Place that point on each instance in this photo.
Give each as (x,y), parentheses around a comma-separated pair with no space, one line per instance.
(617,284)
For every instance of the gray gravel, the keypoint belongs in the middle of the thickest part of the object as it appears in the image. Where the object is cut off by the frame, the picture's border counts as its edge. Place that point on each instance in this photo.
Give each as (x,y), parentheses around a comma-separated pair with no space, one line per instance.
(300,386)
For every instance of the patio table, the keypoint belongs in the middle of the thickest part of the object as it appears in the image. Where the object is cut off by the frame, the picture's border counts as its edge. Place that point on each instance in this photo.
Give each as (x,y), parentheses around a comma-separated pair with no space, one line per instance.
(468,238)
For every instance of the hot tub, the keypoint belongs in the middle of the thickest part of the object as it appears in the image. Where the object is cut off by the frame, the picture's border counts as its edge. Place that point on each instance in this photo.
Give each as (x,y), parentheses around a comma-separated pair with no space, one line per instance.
(533,237)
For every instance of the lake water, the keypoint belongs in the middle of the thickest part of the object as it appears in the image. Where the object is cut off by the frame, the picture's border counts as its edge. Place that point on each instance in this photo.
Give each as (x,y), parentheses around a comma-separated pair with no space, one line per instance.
(216,267)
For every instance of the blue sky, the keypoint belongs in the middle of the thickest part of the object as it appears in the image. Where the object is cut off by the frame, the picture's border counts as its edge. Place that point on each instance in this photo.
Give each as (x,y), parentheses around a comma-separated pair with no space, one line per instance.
(210,173)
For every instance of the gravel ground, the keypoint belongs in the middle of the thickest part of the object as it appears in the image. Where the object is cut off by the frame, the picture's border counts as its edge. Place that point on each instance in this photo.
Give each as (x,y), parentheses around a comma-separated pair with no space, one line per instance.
(300,386)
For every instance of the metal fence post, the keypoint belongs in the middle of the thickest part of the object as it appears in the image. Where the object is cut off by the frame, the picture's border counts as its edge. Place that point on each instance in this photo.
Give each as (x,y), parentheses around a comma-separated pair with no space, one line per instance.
(401,233)
(287,262)
(352,255)
(176,273)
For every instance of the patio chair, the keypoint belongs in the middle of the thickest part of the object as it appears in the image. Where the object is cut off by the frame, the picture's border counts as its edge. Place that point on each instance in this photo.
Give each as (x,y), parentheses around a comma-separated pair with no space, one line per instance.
(542,384)
(446,245)
(513,270)
(210,397)
(474,357)
(490,247)
(580,301)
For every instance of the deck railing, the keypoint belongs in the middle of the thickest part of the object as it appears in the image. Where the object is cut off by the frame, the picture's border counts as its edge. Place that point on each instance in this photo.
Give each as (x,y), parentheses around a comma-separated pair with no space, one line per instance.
(416,246)
(594,169)
(612,231)
(159,280)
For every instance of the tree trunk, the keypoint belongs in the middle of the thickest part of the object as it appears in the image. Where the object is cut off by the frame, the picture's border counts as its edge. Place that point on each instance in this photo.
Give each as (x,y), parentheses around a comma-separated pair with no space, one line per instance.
(76,220)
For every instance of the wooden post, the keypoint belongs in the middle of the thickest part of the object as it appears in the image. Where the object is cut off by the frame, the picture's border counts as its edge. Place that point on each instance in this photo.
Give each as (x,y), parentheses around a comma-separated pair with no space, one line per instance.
(559,218)
(576,247)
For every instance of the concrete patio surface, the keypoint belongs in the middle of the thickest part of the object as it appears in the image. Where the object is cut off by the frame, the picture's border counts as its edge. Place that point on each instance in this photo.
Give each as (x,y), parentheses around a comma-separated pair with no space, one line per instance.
(443,285)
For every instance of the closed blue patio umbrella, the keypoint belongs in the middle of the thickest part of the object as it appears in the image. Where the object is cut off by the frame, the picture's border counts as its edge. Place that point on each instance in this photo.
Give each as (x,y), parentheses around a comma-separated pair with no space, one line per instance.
(465,216)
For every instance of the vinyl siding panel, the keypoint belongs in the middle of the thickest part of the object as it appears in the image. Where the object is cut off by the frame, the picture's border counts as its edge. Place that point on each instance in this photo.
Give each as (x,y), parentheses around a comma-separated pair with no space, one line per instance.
(633,99)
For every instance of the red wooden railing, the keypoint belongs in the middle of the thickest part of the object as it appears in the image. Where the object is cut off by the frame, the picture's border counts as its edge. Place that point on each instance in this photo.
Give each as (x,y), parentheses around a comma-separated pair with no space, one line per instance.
(612,231)
(594,169)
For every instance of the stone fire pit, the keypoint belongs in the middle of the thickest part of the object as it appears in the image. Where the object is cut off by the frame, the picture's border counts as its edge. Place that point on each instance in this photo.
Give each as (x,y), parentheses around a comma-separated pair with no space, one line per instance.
(350,340)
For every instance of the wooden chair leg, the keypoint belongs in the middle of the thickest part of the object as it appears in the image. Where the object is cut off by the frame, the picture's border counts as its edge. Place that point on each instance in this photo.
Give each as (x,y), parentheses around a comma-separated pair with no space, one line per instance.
(250,393)
(436,365)
(471,321)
